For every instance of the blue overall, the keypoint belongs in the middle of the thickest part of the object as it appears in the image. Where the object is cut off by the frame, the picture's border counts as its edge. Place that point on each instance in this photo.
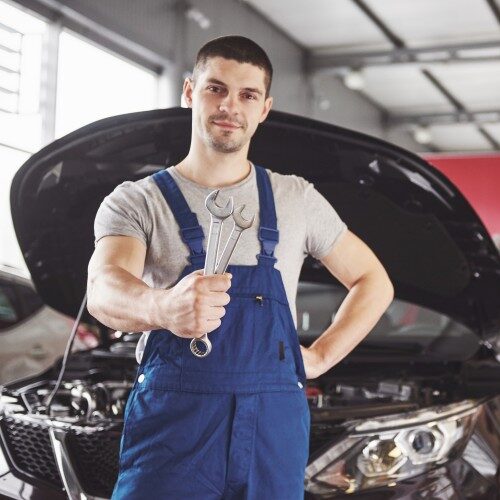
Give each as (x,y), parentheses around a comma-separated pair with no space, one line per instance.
(232,425)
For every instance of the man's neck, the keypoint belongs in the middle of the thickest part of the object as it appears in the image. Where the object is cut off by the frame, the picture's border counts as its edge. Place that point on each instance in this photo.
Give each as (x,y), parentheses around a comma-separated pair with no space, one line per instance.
(214,172)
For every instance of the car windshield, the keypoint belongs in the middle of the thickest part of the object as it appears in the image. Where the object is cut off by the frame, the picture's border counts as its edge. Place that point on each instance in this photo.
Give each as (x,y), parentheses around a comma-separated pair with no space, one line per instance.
(403,328)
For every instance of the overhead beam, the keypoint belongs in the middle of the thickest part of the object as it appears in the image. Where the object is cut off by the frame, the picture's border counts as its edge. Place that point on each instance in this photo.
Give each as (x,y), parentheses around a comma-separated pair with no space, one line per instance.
(399,46)
(476,117)
(405,55)
(495,9)
(388,33)
(493,143)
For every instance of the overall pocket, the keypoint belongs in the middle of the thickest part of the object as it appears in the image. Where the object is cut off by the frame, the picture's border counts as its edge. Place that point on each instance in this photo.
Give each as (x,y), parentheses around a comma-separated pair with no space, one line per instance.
(251,338)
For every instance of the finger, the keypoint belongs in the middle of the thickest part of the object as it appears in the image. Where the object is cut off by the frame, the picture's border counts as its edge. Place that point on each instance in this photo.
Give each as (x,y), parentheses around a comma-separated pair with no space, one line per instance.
(213,324)
(216,313)
(218,282)
(219,299)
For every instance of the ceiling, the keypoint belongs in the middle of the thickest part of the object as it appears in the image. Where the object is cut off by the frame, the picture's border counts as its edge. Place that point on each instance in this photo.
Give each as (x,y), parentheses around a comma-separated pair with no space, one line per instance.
(431,66)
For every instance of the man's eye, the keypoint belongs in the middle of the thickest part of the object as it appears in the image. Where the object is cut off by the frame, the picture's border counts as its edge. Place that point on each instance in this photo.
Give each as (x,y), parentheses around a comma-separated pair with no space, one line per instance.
(212,88)
(250,96)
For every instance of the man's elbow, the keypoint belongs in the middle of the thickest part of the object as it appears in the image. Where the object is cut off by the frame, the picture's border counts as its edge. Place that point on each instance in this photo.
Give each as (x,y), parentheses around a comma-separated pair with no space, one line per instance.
(92,301)
(386,287)
(381,282)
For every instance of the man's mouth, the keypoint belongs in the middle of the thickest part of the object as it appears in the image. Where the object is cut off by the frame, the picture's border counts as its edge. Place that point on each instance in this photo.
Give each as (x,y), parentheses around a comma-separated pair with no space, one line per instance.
(227,125)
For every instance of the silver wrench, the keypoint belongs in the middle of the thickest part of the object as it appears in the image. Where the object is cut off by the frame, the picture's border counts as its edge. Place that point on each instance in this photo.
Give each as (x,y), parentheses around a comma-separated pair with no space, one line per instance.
(240,224)
(202,346)
(217,217)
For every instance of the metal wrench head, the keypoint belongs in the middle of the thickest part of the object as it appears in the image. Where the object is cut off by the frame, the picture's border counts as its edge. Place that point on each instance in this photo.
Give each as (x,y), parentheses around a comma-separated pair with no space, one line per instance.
(215,210)
(239,220)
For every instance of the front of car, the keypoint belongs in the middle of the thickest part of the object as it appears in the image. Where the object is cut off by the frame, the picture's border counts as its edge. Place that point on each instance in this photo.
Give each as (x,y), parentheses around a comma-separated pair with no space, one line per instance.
(414,409)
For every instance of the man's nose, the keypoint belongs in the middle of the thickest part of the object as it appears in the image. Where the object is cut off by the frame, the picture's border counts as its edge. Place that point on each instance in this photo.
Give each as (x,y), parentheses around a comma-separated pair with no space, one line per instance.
(228,103)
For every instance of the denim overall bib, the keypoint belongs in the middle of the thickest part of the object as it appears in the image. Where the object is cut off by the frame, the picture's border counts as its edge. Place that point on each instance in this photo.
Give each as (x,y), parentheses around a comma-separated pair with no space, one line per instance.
(232,425)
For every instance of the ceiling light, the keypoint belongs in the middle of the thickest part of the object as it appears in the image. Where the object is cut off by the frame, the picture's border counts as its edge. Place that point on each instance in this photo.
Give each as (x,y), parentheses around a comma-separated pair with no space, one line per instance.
(422,135)
(198,17)
(354,80)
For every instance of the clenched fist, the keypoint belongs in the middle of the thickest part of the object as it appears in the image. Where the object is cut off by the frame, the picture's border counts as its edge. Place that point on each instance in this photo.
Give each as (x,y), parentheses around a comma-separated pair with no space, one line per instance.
(195,305)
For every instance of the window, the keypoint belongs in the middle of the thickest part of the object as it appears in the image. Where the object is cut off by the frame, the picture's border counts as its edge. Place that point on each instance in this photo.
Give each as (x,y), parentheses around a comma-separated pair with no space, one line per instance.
(17,302)
(93,84)
(10,161)
(21,40)
(8,313)
(29,300)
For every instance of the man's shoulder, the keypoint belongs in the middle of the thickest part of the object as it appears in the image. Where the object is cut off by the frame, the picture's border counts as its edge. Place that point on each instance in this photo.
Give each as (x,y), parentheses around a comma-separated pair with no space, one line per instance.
(134,189)
(287,182)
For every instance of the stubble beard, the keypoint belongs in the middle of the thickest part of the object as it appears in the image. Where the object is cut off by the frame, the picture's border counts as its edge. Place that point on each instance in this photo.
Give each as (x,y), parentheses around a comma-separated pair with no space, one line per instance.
(224,146)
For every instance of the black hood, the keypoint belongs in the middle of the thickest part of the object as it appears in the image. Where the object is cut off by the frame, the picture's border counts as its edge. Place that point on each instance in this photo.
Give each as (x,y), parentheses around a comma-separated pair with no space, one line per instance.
(434,246)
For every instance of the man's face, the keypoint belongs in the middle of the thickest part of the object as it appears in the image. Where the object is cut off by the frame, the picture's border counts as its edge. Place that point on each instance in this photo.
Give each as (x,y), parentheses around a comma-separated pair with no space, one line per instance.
(228,101)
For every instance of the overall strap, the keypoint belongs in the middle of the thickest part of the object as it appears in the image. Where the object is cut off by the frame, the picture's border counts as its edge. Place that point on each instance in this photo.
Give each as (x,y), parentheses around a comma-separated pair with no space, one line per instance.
(268,231)
(191,231)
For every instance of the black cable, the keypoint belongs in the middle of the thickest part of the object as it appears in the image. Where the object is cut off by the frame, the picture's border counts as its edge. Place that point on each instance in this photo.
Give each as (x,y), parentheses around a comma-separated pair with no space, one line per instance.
(66,353)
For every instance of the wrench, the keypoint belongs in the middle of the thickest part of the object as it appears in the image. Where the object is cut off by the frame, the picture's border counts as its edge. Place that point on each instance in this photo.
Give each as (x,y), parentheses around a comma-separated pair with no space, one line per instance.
(202,346)
(240,224)
(217,217)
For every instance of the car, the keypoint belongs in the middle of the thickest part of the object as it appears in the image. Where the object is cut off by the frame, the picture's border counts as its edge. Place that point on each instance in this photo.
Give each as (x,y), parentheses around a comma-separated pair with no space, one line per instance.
(412,412)
(32,334)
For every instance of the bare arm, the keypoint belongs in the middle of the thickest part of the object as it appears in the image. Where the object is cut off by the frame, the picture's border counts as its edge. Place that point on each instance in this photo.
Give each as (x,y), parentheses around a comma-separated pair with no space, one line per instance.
(118,298)
(116,294)
(370,293)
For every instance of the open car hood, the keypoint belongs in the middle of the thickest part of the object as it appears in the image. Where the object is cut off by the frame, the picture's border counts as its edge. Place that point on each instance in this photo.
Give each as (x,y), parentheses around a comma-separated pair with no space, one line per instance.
(432,243)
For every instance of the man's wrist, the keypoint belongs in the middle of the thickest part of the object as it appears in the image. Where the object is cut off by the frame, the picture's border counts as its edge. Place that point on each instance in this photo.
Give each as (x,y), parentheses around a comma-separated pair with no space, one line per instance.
(156,300)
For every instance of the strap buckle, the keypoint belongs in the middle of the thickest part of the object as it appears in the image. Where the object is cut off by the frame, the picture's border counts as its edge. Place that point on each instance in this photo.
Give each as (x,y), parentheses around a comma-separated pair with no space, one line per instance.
(193,237)
(269,239)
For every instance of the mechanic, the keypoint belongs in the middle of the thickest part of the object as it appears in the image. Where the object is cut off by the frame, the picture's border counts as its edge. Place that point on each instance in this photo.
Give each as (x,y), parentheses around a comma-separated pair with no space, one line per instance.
(234,424)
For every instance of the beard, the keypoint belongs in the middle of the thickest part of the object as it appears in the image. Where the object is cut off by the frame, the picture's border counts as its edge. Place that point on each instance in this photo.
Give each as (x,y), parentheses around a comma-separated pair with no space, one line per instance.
(224,142)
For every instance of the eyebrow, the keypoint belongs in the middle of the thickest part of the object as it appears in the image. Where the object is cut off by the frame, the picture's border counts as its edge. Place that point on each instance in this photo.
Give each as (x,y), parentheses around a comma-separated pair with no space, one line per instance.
(248,89)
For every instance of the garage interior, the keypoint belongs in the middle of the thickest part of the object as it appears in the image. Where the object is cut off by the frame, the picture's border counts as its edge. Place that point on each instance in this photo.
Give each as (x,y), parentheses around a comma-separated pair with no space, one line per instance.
(422,75)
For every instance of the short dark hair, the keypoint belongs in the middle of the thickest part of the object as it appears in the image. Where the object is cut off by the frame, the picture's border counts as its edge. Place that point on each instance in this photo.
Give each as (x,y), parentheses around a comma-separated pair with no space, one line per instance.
(238,48)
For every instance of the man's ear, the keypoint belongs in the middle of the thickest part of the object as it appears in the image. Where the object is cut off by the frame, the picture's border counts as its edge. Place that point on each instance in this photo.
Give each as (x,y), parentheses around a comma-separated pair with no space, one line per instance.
(267,107)
(187,91)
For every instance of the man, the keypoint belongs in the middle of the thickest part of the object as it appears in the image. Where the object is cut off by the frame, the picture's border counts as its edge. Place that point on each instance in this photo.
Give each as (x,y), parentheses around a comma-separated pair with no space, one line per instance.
(234,424)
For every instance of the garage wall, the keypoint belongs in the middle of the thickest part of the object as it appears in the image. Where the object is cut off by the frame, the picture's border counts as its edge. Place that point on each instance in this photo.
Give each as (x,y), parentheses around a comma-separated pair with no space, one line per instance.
(403,138)
(335,103)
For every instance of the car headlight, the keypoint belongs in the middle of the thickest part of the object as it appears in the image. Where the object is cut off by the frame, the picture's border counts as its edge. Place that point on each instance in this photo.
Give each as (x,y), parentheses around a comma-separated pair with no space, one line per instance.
(385,450)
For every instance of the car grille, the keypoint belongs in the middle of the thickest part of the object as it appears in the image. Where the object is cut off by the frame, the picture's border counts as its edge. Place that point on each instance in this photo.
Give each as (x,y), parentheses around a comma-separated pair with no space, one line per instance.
(30,449)
(93,452)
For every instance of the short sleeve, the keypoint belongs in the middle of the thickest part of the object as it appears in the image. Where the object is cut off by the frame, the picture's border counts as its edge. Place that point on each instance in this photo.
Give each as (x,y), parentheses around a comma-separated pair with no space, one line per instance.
(324,226)
(124,212)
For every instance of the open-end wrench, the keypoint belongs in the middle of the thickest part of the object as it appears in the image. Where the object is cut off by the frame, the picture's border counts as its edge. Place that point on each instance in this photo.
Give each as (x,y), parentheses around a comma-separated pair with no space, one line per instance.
(202,346)
(217,217)
(240,224)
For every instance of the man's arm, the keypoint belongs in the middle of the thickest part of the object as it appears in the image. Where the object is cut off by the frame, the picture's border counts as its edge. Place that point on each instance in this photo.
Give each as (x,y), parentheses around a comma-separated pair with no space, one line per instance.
(116,294)
(118,298)
(370,293)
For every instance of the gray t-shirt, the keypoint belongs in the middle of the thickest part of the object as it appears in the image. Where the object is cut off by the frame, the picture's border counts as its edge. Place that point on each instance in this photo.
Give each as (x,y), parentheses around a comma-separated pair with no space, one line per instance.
(307,224)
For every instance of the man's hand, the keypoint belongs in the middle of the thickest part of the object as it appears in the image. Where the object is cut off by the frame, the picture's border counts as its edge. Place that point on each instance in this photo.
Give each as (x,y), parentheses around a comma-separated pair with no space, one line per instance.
(195,305)
(313,362)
